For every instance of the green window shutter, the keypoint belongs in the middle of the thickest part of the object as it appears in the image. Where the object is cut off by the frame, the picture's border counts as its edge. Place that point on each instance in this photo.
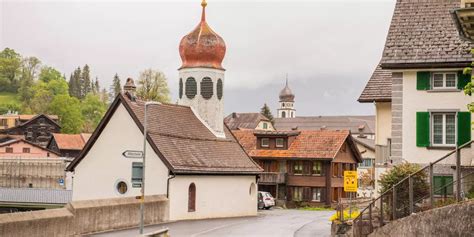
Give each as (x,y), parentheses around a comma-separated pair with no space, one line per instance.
(422,129)
(464,127)
(438,184)
(463,79)
(423,80)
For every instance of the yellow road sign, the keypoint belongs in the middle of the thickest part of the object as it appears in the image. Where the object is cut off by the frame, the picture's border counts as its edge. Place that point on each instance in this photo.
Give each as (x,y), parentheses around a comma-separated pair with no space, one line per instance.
(350,181)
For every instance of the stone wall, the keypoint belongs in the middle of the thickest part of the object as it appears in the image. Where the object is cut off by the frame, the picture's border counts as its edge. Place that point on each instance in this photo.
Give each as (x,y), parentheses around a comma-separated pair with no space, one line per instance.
(84,217)
(452,220)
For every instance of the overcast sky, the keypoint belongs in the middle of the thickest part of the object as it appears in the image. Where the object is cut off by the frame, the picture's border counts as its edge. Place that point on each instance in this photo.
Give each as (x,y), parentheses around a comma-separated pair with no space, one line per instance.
(328,48)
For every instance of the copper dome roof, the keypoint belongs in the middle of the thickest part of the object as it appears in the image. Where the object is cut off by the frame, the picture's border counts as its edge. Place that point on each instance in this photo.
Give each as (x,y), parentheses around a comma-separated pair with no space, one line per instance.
(286,95)
(202,47)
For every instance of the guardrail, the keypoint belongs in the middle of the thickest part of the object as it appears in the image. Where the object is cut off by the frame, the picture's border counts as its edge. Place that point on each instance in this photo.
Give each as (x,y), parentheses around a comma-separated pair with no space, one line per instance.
(420,191)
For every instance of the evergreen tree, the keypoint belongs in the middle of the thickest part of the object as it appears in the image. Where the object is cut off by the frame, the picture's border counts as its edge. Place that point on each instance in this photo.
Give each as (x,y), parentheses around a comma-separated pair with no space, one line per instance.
(85,82)
(116,88)
(96,86)
(74,83)
(267,112)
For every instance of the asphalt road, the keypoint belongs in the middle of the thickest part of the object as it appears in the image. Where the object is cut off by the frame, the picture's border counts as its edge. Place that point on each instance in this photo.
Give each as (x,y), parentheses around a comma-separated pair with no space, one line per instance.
(275,223)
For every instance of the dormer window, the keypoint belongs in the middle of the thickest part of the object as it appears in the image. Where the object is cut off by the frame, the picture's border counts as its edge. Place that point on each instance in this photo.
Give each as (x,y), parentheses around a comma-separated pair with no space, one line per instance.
(265,126)
(280,142)
(265,142)
(445,80)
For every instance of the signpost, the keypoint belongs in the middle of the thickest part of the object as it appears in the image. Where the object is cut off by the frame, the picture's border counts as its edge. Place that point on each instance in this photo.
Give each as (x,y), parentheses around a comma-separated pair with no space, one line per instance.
(133,154)
(350,185)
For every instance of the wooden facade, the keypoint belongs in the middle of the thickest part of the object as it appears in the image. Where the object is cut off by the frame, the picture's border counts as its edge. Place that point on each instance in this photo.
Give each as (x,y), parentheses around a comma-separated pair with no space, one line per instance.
(38,130)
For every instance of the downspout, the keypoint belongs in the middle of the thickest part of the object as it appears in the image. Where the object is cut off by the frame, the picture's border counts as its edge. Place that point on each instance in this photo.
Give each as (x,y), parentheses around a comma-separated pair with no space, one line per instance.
(172,176)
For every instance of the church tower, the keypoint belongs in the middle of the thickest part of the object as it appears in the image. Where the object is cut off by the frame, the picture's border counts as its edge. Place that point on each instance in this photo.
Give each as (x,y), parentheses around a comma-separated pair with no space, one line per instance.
(287,101)
(201,75)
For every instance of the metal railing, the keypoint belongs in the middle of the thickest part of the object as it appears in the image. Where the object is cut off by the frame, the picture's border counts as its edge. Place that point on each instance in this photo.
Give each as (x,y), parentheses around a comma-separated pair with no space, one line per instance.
(272,177)
(427,188)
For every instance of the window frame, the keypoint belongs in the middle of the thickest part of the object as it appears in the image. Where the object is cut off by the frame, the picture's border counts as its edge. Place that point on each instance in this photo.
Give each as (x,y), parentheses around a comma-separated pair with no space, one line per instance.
(300,165)
(262,143)
(8,149)
(432,78)
(26,150)
(297,194)
(444,129)
(319,193)
(265,126)
(137,181)
(320,168)
(282,145)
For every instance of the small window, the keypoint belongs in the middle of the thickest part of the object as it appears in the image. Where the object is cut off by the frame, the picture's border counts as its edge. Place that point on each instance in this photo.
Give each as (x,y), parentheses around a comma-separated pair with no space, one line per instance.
(219,88)
(191,88)
(316,194)
(3,122)
(265,142)
(443,185)
(265,126)
(26,150)
(283,114)
(444,129)
(280,142)
(252,189)
(137,174)
(317,169)
(335,169)
(180,88)
(9,150)
(297,193)
(298,167)
(207,88)
(444,80)
(192,198)
(122,187)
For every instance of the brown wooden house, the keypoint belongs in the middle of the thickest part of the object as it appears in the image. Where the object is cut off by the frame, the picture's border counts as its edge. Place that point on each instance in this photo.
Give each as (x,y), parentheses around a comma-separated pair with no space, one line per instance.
(37,129)
(302,167)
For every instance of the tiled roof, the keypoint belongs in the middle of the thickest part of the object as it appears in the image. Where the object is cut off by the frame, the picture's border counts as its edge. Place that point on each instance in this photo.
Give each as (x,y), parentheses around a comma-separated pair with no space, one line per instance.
(8,140)
(379,87)
(352,123)
(71,141)
(368,143)
(244,120)
(323,144)
(182,141)
(422,32)
(23,117)
(35,195)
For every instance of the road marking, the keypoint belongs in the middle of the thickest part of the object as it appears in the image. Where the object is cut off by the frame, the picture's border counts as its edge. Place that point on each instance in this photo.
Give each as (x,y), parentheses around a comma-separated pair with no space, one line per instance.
(219,227)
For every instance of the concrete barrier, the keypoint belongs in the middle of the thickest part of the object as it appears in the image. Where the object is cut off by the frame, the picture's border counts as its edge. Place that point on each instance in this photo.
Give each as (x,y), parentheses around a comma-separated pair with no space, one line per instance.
(452,220)
(85,217)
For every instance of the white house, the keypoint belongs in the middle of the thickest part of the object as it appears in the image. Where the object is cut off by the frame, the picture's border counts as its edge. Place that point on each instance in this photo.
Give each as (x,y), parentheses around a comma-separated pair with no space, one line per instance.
(421,109)
(192,157)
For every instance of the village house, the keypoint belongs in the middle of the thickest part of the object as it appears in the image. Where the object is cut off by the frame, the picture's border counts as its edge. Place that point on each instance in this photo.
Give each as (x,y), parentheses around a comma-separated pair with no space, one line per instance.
(417,89)
(191,156)
(302,167)
(17,146)
(68,145)
(35,128)
(236,121)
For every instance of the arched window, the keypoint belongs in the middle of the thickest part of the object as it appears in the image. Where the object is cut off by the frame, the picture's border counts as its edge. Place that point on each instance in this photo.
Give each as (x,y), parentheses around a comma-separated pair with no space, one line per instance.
(180,88)
(207,88)
(219,88)
(283,104)
(252,189)
(283,114)
(292,115)
(192,198)
(191,87)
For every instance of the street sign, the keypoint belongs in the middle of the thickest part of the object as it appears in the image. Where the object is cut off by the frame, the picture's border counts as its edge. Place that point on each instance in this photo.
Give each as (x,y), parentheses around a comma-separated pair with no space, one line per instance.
(133,154)
(350,181)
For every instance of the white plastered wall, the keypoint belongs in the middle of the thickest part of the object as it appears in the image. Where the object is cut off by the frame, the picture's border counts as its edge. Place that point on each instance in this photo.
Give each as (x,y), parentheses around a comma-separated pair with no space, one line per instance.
(417,101)
(269,126)
(216,196)
(96,176)
(383,122)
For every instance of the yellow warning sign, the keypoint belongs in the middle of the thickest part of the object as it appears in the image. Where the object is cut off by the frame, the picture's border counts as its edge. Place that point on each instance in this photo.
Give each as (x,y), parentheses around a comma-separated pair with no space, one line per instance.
(350,181)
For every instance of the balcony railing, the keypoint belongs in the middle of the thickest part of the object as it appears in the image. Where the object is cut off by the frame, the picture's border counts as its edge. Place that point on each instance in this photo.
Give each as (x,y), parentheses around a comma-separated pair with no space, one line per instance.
(272,178)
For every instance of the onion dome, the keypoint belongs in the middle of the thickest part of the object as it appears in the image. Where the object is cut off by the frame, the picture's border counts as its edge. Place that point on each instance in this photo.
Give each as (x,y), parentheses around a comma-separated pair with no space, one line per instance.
(286,95)
(202,47)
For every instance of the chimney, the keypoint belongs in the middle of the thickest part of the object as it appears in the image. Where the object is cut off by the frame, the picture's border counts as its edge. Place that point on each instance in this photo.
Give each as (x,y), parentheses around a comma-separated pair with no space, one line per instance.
(129,89)
(234,115)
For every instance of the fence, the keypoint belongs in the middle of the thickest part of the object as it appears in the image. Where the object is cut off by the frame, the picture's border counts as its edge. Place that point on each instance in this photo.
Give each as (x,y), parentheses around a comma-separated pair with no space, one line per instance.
(440,183)
(21,172)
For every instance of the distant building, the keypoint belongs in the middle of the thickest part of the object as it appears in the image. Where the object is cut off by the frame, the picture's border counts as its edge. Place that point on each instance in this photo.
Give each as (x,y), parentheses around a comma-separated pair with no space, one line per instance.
(287,103)
(11,146)
(302,167)
(37,129)
(10,120)
(258,121)
(68,145)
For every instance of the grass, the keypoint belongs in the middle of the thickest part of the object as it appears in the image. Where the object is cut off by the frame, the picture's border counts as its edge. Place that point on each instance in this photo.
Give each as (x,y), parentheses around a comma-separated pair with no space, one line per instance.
(316,209)
(9,98)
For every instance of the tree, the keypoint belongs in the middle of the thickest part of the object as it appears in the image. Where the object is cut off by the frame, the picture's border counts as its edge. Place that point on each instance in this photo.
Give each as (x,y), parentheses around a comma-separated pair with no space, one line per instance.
(10,68)
(267,112)
(92,109)
(44,93)
(68,110)
(152,85)
(48,74)
(85,81)
(116,88)
(29,71)
(75,83)
(469,88)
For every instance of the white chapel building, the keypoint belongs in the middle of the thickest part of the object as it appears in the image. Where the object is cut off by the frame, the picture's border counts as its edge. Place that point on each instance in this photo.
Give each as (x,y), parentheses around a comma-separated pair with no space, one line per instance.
(192,157)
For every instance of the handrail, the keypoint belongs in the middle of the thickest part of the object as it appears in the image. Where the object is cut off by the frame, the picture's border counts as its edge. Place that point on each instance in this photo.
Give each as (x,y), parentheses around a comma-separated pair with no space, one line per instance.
(458,148)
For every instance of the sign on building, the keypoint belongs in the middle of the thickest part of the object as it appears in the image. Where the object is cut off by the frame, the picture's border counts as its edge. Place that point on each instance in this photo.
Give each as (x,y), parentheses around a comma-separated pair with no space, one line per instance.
(350,181)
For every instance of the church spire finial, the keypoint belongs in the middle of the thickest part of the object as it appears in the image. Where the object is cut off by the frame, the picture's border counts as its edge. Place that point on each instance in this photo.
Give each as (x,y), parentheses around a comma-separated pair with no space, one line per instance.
(286,79)
(203,4)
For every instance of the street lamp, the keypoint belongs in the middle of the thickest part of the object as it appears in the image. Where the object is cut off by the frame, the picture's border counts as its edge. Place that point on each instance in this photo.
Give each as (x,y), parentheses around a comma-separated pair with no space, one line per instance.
(142,202)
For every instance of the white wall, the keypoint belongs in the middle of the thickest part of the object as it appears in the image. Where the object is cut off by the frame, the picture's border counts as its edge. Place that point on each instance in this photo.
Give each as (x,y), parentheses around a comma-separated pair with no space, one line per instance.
(415,101)
(269,126)
(383,122)
(95,177)
(216,196)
